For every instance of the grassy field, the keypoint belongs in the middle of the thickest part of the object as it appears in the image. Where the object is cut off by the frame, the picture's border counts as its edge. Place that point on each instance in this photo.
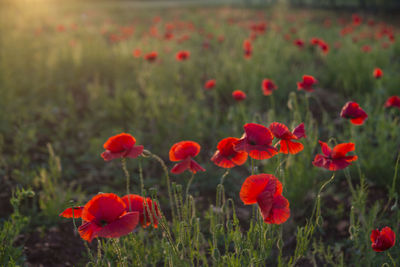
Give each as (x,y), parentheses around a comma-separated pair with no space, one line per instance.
(74,75)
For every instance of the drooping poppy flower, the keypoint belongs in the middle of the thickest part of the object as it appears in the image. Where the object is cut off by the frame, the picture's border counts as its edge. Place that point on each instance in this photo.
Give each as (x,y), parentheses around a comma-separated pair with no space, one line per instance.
(247,49)
(378,73)
(307,83)
(209,84)
(286,144)
(151,57)
(226,156)
(136,203)
(354,112)
(75,212)
(393,101)
(266,191)
(182,55)
(268,86)
(334,159)
(239,95)
(121,146)
(256,141)
(105,216)
(382,240)
(184,151)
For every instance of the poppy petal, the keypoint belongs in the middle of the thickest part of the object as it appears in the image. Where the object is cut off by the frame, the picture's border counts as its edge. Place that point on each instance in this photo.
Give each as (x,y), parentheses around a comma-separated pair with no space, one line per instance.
(222,161)
(325,148)
(88,231)
(280,211)
(195,167)
(120,142)
(108,155)
(135,152)
(121,226)
(288,146)
(264,201)
(341,150)
(299,131)
(256,184)
(107,207)
(181,166)
(75,212)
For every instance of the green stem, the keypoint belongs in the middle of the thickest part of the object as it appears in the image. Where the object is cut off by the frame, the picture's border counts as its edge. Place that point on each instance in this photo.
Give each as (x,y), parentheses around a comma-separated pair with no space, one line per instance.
(391,258)
(223,176)
(317,208)
(126,172)
(188,186)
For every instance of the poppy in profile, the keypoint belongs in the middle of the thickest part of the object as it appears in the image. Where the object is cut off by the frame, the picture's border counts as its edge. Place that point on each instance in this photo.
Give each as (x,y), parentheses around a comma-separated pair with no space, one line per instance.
(382,240)
(137,203)
(239,95)
(182,55)
(307,83)
(184,151)
(354,112)
(334,159)
(256,141)
(209,84)
(393,101)
(226,156)
(121,146)
(286,143)
(268,86)
(75,212)
(266,191)
(151,57)
(247,49)
(105,215)
(378,73)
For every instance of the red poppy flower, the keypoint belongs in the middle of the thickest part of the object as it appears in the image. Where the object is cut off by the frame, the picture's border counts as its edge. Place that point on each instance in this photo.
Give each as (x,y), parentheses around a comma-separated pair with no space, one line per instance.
(121,146)
(378,73)
(356,19)
(151,57)
(105,216)
(136,53)
(67,213)
(324,47)
(226,156)
(307,83)
(334,159)
(268,86)
(266,191)
(136,203)
(352,111)
(182,55)
(209,84)
(366,48)
(382,240)
(184,151)
(314,41)
(393,101)
(239,95)
(257,141)
(299,43)
(247,48)
(286,144)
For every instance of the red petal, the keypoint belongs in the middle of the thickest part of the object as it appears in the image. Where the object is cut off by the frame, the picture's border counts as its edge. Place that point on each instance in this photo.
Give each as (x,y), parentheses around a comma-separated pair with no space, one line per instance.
(280,211)
(67,213)
(108,155)
(121,226)
(288,146)
(222,161)
(135,152)
(256,184)
(264,201)
(181,166)
(280,131)
(107,207)
(325,148)
(341,150)
(299,131)
(258,134)
(120,142)
(184,149)
(195,167)
(88,231)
